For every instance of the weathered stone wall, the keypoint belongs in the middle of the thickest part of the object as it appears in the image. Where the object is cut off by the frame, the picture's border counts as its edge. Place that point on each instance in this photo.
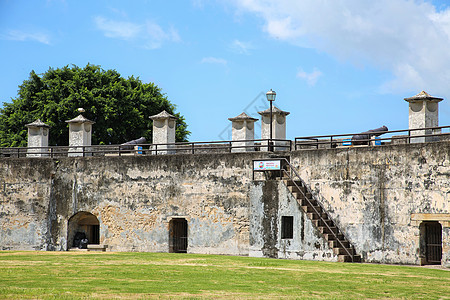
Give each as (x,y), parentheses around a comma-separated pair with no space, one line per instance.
(374,192)
(26,190)
(270,201)
(133,198)
(378,196)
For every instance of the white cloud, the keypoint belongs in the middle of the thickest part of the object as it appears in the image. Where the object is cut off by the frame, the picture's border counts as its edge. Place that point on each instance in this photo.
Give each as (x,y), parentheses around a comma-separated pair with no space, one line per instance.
(241,47)
(214,60)
(156,35)
(150,34)
(118,29)
(310,78)
(411,39)
(17,35)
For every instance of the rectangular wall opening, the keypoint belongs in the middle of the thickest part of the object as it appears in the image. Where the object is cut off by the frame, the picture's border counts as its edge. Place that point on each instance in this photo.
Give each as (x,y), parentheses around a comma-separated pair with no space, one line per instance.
(433,240)
(287,227)
(178,235)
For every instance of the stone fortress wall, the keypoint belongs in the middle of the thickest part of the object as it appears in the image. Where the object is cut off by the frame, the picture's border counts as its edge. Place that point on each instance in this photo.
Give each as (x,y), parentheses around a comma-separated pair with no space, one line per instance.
(381,197)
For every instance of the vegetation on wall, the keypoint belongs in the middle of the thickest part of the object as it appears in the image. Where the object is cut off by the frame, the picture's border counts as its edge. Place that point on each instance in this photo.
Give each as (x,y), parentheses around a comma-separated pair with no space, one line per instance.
(119,107)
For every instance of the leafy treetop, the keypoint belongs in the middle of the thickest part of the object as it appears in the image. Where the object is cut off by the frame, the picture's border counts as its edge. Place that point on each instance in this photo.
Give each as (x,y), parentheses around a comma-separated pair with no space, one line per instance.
(119,107)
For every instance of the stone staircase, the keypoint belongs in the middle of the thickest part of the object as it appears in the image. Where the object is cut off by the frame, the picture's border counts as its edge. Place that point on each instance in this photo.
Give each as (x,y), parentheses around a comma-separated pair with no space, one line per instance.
(319,217)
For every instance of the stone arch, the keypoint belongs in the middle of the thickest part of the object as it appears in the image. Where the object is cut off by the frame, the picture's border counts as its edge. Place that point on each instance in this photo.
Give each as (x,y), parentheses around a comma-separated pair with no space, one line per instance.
(83,224)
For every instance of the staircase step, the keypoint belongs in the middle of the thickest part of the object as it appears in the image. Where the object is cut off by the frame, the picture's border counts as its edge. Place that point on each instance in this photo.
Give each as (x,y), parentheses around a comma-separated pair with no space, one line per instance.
(329,230)
(335,243)
(312,216)
(300,197)
(297,195)
(357,258)
(321,223)
(343,251)
(312,209)
(294,189)
(302,192)
(308,202)
(291,183)
(348,258)
(332,237)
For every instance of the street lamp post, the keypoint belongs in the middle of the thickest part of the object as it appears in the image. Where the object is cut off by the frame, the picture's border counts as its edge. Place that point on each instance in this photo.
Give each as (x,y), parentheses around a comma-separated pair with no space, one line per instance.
(271,97)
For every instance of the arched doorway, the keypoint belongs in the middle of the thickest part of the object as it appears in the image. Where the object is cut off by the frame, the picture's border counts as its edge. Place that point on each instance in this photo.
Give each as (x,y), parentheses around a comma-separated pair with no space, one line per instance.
(431,242)
(83,225)
(178,235)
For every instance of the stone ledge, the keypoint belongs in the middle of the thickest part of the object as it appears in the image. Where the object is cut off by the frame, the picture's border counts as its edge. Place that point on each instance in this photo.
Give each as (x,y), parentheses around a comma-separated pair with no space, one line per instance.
(91,247)
(444,219)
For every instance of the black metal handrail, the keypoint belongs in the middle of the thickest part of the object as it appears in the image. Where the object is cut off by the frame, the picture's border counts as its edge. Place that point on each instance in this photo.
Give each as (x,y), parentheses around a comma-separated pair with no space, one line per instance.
(330,139)
(289,174)
(146,149)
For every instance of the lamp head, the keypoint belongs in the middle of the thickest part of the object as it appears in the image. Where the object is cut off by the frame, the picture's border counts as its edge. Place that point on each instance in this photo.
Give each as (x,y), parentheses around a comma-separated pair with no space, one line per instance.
(271,95)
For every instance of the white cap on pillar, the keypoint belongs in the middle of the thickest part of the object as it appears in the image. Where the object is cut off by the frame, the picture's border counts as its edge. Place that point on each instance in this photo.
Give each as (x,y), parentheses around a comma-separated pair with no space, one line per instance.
(164,131)
(243,130)
(423,113)
(37,137)
(80,134)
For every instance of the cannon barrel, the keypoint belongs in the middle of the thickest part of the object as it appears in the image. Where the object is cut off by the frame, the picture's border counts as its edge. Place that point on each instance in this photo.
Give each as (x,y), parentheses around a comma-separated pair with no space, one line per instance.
(130,144)
(368,134)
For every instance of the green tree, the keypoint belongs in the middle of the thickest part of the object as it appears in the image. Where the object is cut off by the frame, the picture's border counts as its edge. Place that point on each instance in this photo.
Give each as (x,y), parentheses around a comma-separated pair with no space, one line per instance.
(120,107)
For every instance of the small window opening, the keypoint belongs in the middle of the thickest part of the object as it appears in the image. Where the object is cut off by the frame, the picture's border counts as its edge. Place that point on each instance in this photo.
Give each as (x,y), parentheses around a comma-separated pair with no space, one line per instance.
(287,227)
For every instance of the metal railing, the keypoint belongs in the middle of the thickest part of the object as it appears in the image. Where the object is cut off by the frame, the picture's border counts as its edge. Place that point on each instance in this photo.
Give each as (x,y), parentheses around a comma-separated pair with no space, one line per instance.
(150,149)
(319,141)
(308,190)
(343,140)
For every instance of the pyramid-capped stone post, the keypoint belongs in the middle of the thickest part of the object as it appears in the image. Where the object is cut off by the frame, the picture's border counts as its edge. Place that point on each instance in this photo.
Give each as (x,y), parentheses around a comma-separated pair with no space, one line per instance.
(164,133)
(278,128)
(243,133)
(80,135)
(37,139)
(423,113)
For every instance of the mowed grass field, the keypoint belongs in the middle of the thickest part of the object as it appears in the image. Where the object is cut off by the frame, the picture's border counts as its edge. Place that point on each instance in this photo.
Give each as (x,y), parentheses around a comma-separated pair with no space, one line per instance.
(107,275)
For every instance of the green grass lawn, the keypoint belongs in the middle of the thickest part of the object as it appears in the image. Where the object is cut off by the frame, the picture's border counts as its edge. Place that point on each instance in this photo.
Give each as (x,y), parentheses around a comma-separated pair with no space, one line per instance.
(74,275)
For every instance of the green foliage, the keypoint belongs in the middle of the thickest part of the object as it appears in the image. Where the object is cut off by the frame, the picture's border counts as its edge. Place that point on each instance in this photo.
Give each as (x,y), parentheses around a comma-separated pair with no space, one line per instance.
(120,107)
(87,275)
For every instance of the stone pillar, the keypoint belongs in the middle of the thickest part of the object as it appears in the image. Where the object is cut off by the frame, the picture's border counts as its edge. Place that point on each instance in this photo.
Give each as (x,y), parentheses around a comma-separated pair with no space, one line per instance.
(243,131)
(278,128)
(423,112)
(80,133)
(37,137)
(163,133)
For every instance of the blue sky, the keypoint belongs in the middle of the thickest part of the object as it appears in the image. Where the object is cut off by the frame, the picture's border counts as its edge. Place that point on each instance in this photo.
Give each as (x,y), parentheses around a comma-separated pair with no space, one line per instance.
(337,66)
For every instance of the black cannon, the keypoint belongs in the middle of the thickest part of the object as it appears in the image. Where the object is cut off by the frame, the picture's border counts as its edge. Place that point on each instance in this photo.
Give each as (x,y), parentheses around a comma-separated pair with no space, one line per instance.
(79,236)
(131,144)
(363,137)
